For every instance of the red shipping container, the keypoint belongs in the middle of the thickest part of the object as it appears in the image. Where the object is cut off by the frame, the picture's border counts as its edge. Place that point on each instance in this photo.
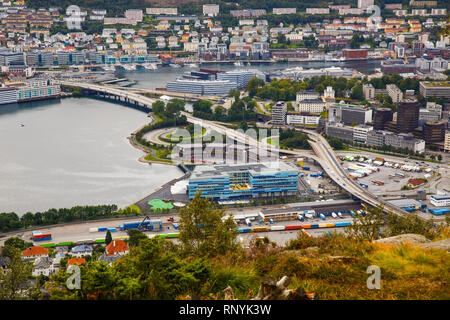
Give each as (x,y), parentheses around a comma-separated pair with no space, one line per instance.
(293,227)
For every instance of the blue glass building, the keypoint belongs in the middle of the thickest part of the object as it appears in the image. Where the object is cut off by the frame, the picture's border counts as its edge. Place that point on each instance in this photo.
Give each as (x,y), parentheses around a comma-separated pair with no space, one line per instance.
(243,181)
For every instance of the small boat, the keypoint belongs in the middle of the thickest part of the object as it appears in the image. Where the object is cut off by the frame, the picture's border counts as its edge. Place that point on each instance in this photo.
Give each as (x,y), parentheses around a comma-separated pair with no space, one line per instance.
(238,64)
(174,65)
(150,66)
(193,65)
(22,125)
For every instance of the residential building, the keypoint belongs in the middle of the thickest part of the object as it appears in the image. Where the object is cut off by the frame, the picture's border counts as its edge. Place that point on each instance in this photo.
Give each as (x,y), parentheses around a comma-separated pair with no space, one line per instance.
(210,10)
(161,11)
(43,266)
(369,91)
(117,247)
(394,92)
(318,10)
(364,4)
(329,93)
(279,113)
(447,141)
(284,10)
(8,95)
(134,15)
(81,251)
(35,252)
(252,180)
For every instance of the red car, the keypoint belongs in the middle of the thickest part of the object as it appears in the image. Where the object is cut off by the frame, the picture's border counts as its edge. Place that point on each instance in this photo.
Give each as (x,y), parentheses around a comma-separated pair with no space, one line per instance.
(171,219)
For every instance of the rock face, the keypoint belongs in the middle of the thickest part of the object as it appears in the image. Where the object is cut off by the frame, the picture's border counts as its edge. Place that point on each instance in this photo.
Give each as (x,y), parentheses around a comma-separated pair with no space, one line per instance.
(412,238)
(418,240)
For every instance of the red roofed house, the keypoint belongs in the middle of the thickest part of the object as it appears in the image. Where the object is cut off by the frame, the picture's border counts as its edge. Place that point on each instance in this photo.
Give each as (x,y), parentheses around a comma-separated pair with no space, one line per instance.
(32,253)
(117,247)
(414,183)
(77,261)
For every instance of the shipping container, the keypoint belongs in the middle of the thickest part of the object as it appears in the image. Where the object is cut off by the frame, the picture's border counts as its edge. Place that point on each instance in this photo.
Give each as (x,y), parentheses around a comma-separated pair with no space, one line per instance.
(322,216)
(260,229)
(277,228)
(314,226)
(93,229)
(103,229)
(48,245)
(112,230)
(306,226)
(293,227)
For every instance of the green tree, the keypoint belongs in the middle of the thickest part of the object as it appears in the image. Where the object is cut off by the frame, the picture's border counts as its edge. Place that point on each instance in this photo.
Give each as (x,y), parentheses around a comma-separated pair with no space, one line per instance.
(108,237)
(202,230)
(135,236)
(253,85)
(13,282)
(158,107)
(368,226)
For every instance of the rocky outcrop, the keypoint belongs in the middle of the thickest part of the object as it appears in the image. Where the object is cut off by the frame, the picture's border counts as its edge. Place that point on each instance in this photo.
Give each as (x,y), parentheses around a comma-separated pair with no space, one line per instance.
(418,240)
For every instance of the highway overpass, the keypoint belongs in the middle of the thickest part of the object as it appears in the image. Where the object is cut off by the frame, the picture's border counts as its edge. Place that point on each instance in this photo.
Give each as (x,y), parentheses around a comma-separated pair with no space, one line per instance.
(325,155)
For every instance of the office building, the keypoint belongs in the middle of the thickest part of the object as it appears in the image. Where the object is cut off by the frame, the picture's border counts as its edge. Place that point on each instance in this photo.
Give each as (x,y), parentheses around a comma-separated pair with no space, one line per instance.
(381,117)
(408,115)
(241,77)
(279,113)
(349,114)
(379,138)
(308,94)
(440,200)
(434,132)
(239,182)
(201,87)
(8,95)
(360,133)
(340,131)
(439,89)
(302,120)
(8,57)
(311,105)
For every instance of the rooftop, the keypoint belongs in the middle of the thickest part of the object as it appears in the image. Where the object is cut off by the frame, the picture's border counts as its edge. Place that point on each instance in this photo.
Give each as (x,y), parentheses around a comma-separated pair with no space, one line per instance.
(253,168)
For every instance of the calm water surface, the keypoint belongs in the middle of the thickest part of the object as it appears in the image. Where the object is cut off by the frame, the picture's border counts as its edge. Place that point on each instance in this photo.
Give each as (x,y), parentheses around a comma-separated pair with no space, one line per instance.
(73,152)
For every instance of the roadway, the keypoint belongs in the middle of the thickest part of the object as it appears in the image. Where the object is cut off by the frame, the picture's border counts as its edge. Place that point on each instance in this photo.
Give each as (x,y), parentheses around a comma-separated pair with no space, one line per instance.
(325,155)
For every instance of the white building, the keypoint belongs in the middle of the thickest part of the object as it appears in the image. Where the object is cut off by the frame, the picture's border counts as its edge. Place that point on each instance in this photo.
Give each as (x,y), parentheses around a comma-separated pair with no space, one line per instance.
(284,11)
(210,10)
(302,120)
(447,142)
(318,10)
(311,105)
(161,11)
(360,133)
(329,93)
(440,200)
(307,94)
(364,4)
(134,15)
